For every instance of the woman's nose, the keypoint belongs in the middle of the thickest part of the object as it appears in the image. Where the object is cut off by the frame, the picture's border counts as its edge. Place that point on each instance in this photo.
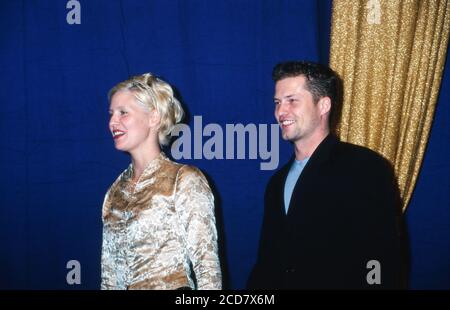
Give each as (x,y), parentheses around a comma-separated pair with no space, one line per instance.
(112,120)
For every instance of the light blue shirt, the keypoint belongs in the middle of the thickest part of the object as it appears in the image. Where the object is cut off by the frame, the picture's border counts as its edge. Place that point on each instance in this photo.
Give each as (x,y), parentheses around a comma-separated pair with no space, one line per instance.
(295,171)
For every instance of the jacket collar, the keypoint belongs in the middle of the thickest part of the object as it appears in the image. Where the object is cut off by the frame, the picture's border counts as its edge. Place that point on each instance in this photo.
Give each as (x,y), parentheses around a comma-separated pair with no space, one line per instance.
(321,154)
(324,149)
(152,166)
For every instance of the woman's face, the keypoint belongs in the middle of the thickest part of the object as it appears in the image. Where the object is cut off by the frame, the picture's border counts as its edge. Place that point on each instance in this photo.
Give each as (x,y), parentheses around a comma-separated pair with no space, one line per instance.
(130,123)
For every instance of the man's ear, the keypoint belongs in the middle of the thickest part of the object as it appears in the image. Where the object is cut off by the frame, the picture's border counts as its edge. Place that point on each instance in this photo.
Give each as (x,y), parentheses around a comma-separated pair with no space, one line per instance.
(154,119)
(324,105)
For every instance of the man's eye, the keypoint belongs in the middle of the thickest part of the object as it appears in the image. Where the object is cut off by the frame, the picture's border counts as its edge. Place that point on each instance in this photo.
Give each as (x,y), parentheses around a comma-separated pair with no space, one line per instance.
(123,112)
(276,102)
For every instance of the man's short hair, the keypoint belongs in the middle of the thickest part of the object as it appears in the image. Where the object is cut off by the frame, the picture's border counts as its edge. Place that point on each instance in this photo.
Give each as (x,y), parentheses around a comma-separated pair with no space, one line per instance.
(321,81)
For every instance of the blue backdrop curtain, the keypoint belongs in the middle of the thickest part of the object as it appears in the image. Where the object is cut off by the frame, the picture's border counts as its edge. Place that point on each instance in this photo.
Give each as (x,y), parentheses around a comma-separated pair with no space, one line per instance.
(428,214)
(57,157)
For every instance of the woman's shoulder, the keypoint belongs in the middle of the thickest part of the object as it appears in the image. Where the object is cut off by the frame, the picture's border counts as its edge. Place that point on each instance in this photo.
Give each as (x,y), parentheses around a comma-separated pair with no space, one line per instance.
(191,179)
(183,170)
(190,171)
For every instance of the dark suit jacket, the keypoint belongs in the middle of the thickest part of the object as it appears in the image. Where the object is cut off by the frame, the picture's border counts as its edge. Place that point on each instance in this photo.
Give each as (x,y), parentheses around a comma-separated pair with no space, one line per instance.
(344,212)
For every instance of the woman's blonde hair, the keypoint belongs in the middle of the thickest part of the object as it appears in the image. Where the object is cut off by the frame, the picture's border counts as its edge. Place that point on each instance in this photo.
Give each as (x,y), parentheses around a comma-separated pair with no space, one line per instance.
(153,93)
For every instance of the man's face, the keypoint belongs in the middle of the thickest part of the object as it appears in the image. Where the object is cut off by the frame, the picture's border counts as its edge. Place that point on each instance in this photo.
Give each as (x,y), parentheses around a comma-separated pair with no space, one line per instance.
(295,110)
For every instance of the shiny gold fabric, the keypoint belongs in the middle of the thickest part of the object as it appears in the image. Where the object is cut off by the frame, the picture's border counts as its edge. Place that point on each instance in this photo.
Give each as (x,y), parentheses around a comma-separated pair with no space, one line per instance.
(155,231)
(390,54)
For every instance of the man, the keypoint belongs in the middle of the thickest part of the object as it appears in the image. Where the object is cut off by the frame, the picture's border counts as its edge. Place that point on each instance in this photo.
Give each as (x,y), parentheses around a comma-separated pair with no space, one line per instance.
(331,218)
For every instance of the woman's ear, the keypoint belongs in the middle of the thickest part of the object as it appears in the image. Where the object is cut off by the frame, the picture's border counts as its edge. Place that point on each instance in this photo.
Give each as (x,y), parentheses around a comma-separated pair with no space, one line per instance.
(154,118)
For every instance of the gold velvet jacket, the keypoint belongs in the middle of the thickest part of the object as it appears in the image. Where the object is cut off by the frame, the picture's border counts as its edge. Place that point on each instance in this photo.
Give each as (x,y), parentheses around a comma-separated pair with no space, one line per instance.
(160,231)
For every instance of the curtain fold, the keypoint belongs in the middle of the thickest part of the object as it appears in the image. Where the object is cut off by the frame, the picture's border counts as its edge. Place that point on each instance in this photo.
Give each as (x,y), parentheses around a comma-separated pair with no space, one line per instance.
(390,55)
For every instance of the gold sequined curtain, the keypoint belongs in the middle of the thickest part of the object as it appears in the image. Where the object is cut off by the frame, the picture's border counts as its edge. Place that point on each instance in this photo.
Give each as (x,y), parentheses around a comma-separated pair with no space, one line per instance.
(390,55)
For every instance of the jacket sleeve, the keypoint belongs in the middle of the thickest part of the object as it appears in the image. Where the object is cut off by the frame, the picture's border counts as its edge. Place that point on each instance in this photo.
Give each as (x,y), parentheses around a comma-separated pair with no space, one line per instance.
(262,276)
(108,267)
(194,204)
(384,226)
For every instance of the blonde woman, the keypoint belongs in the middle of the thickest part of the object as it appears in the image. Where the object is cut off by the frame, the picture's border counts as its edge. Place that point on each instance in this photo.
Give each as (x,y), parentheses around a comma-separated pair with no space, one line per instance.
(158,216)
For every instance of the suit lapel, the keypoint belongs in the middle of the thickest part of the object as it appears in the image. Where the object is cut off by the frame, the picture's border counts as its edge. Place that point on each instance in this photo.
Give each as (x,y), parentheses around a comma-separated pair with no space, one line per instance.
(321,155)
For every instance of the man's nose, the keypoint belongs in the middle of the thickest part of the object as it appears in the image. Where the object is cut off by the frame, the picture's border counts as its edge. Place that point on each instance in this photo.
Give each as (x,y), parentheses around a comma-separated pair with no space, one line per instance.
(281,109)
